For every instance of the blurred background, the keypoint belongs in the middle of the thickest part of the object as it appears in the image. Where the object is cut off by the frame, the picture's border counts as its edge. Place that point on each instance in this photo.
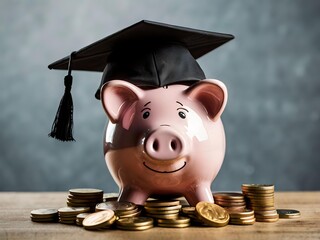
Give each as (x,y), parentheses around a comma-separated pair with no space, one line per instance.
(271,70)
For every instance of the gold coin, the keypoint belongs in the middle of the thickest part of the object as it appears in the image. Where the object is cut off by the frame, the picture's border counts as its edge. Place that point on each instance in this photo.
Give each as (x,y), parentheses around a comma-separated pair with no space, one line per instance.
(288,213)
(71,222)
(109,223)
(261,204)
(188,210)
(178,220)
(212,214)
(266,219)
(234,209)
(68,217)
(55,219)
(71,198)
(136,214)
(267,216)
(82,200)
(115,206)
(127,212)
(163,212)
(216,200)
(228,195)
(176,225)
(243,222)
(135,221)
(161,203)
(258,186)
(44,212)
(82,215)
(110,197)
(168,208)
(261,208)
(85,191)
(223,203)
(242,217)
(163,216)
(72,211)
(270,212)
(257,190)
(245,212)
(135,228)
(98,218)
(80,205)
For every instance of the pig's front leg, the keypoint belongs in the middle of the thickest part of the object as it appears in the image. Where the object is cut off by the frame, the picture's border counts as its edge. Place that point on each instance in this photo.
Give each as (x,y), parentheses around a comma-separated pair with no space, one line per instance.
(198,193)
(133,194)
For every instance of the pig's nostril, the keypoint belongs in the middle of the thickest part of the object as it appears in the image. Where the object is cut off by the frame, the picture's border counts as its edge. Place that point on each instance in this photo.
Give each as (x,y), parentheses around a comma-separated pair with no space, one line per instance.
(155,145)
(173,145)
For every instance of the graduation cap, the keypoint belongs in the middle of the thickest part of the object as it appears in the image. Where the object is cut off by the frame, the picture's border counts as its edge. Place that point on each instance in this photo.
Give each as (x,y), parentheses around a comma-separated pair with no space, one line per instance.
(147,54)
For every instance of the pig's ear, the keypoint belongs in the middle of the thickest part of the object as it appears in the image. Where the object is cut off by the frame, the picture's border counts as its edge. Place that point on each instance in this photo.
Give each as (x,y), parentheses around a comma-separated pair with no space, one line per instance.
(211,94)
(118,100)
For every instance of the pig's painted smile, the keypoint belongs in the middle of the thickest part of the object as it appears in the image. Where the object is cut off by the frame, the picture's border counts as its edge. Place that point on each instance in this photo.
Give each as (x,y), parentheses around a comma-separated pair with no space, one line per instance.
(157,171)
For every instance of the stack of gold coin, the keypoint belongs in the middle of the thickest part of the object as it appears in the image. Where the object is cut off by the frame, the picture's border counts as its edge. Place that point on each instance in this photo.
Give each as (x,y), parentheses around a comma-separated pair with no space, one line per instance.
(231,201)
(163,209)
(80,218)
(121,209)
(84,197)
(244,217)
(135,223)
(99,220)
(68,215)
(180,222)
(212,214)
(44,215)
(260,198)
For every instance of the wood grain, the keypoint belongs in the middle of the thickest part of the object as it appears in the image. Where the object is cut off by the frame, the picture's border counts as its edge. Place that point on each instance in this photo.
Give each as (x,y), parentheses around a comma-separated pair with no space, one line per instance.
(15,221)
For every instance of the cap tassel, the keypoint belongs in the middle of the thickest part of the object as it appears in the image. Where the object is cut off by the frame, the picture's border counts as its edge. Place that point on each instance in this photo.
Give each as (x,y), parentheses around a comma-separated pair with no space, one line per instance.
(63,123)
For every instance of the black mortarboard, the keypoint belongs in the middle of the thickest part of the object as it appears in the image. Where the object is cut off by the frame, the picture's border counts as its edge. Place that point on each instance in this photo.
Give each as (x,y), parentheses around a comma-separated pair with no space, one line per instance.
(147,54)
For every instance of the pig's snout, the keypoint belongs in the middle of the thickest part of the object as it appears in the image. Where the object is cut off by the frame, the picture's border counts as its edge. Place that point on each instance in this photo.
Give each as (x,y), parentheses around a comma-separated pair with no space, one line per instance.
(164,144)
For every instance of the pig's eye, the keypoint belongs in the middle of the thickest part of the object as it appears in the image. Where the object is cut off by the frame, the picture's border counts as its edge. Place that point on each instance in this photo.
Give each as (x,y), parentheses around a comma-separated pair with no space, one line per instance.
(146,115)
(182,115)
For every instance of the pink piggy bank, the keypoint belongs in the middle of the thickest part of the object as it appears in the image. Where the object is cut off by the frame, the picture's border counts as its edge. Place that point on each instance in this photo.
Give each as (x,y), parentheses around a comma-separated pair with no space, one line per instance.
(164,141)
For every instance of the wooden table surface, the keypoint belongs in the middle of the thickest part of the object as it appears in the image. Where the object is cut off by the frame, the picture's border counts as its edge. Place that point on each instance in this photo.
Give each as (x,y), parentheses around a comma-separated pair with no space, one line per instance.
(15,221)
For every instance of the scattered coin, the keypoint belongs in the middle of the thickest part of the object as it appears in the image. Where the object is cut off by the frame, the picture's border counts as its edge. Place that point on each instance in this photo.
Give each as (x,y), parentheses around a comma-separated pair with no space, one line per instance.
(99,220)
(212,214)
(288,213)
(229,207)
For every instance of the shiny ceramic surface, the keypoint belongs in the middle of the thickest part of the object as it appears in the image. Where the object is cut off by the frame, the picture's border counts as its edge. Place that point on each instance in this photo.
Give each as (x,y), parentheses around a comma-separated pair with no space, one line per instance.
(164,141)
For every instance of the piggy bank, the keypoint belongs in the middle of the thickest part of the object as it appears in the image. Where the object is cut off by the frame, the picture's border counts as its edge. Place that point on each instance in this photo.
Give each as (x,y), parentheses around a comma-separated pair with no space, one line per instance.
(165,141)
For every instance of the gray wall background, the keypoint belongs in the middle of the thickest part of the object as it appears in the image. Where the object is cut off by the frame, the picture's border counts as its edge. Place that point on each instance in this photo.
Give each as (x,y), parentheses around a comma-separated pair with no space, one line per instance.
(271,70)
